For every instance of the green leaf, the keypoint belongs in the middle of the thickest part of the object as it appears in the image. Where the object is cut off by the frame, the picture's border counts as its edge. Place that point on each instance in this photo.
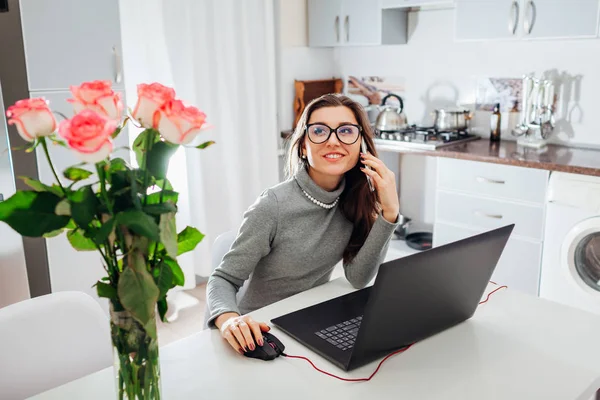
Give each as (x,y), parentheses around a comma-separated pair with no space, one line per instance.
(32,213)
(158,158)
(163,184)
(57,142)
(188,239)
(53,233)
(116,132)
(117,164)
(80,242)
(168,196)
(205,144)
(84,206)
(105,230)
(165,279)
(106,290)
(40,187)
(139,144)
(63,208)
(158,209)
(138,293)
(178,277)
(140,223)
(35,144)
(76,174)
(163,307)
(168,233)
(71,225)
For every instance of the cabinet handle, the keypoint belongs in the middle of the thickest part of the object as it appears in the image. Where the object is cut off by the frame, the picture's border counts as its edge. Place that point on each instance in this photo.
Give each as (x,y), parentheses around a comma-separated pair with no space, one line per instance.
(531,16)
(488,180)
(336,26)
(486,215)
(118,71)
(513,19)
(347,25)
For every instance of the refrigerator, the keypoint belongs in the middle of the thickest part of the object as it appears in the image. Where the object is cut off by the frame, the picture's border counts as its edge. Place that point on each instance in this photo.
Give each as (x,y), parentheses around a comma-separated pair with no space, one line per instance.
(14,285)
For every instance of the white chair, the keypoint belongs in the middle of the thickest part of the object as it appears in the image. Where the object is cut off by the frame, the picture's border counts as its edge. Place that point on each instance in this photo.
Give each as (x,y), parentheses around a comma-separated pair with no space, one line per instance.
(50,340)
(221,246)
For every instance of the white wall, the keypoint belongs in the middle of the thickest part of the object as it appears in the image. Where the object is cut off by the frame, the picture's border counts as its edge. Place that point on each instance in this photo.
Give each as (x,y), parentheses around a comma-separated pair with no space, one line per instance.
(440,71)
(295,60)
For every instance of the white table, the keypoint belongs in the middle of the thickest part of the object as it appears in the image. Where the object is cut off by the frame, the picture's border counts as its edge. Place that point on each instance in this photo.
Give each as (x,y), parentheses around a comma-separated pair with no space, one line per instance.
(515,347)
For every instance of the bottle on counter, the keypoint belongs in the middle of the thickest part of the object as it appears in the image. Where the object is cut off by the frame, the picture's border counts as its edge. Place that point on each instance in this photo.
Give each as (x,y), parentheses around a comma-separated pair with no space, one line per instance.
(495,124)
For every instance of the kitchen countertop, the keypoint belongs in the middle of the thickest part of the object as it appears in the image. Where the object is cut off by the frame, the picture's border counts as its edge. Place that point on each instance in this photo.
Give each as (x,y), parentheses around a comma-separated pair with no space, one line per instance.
(575,160)
(553,157)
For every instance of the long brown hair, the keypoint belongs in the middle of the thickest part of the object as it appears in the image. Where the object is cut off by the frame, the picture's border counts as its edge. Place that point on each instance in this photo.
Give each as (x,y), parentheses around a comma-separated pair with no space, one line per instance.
(357,203)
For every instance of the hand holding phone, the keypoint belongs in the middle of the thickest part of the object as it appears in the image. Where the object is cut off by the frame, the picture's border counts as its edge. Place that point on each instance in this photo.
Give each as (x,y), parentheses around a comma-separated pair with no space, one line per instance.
(363,148)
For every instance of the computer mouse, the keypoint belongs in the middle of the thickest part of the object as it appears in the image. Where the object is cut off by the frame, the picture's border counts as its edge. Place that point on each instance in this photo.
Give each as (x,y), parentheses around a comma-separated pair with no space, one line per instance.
(270,350)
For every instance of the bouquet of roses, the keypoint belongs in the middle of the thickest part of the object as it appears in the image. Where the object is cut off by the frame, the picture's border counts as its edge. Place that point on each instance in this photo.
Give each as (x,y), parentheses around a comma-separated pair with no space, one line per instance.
(105,204)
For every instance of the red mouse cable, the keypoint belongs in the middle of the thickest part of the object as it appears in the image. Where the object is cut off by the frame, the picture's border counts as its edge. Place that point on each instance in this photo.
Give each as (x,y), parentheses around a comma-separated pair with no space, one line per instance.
(402,350)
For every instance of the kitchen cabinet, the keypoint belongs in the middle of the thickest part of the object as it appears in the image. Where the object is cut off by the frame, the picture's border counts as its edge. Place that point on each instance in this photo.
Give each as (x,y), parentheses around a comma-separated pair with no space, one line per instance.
(519,265)
(560,18)
(474,197)
(68,42)
(487,19)
(362,22)
(335,23)
(324,18)
(525,19)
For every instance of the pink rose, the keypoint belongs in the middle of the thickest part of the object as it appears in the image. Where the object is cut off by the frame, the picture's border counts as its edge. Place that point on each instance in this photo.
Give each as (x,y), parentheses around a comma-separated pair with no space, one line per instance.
(32,117)
(88,133)
(97,96)
(150,99)
(179,124)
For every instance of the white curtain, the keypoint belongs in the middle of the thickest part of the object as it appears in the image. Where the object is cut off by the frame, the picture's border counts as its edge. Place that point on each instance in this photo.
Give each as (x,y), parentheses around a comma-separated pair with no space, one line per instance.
(219,55)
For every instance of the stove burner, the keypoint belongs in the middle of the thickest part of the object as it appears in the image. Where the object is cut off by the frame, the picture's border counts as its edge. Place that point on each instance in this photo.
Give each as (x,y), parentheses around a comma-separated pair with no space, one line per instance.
(424,137)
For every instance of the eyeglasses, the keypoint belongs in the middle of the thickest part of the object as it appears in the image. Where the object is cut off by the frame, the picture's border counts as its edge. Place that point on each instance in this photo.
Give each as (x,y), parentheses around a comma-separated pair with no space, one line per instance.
(319,133)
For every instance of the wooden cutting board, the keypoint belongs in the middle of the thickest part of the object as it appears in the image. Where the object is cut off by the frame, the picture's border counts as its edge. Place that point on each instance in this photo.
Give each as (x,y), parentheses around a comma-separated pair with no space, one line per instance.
(309,90)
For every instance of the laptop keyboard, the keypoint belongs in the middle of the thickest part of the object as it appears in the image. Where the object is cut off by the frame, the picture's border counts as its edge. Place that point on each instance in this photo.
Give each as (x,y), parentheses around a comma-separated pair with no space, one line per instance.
(343,334)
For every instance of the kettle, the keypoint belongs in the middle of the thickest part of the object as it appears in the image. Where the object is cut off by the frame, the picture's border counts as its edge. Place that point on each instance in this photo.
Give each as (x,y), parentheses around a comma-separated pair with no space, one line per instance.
(391,118)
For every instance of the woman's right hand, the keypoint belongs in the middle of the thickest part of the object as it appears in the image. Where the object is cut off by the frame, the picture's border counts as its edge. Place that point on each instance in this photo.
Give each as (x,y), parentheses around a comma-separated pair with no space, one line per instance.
(241,331)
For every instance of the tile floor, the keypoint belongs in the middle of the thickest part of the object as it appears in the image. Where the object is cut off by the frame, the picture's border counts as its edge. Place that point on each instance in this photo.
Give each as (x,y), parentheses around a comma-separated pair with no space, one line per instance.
(189,321)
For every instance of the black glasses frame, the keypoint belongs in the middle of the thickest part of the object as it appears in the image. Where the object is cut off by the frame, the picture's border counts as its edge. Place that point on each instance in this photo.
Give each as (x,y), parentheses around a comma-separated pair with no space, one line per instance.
(331,130)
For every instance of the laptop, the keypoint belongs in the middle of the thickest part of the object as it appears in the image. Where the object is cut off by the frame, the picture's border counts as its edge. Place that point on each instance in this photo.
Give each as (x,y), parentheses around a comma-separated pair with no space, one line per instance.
(413,297)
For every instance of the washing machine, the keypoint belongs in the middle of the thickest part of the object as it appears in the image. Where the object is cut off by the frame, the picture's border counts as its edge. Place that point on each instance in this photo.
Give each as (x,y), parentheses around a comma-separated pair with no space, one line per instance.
(570,271)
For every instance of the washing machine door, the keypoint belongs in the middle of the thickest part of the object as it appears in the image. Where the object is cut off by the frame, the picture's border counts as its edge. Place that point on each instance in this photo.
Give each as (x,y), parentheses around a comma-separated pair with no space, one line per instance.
(581,252)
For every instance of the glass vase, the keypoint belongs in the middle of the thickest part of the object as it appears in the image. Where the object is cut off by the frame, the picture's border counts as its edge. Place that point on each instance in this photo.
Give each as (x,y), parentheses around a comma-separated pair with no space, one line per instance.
(136,359)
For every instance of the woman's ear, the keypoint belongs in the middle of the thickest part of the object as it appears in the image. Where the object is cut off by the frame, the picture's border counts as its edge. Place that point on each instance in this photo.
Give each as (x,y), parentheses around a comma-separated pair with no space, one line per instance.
(302,149)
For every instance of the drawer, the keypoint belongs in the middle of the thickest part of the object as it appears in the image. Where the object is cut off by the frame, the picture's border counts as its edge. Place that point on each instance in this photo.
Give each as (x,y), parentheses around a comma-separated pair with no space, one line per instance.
(495,180)
(486,213)
(520,262)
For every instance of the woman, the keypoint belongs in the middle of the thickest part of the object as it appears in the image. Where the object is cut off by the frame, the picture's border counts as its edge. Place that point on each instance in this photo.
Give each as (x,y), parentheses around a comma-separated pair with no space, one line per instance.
(296,232)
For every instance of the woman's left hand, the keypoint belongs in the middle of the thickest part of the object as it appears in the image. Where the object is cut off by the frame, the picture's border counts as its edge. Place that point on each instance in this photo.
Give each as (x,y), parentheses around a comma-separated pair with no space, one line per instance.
(384,181)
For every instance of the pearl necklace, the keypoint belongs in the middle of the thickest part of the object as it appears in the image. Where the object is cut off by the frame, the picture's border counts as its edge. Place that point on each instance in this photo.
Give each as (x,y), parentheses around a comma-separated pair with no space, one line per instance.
(321,204)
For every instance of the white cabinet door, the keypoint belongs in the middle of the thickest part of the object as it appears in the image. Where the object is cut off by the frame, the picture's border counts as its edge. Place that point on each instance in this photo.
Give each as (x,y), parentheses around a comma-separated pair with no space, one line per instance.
(493,180)
(519,264)
(488,213)
(71,41)
(560,18)
(324,23)
(487,19)
(361,22)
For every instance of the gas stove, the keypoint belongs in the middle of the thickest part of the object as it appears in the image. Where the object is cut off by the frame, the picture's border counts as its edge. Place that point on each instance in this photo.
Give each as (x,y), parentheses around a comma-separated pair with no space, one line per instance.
(422,138)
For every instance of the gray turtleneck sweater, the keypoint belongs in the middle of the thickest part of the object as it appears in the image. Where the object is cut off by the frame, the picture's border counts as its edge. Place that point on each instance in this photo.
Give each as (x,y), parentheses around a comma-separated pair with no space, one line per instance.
(287,244)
